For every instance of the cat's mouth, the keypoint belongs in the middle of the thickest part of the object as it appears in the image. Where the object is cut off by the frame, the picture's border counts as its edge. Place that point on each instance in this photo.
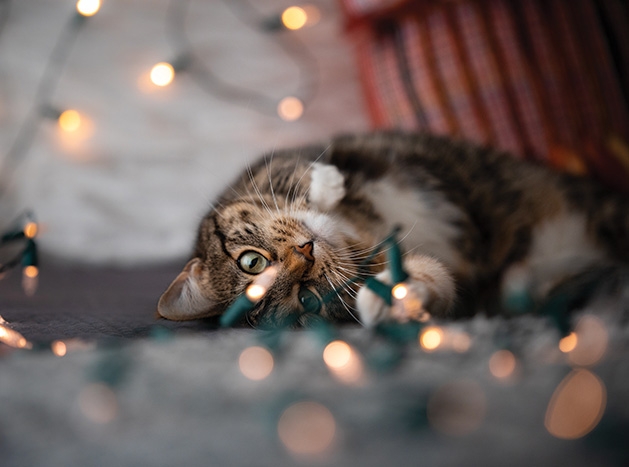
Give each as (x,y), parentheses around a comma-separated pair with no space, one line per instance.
(309,308)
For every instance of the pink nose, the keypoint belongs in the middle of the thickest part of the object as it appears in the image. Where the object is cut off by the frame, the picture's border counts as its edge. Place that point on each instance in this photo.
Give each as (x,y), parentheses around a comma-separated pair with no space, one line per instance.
(306,250)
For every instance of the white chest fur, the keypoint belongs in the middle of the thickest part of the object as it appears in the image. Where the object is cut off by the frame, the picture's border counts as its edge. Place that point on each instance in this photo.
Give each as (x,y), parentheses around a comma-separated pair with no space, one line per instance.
(426,219)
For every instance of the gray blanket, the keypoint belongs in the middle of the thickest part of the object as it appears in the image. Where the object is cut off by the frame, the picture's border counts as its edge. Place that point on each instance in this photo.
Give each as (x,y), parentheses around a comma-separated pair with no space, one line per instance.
(131,390)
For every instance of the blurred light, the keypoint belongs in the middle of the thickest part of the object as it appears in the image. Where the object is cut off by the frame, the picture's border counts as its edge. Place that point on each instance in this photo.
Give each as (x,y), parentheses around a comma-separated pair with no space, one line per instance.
(30,230)
(290,109)
(307,428)
(576,406)
(162,74)
(502,364)
(568,343)
(457,408)
(98,403)
(344,362)
(31,271)
(337,354)
(12,338)
(88,7)
(256,363)
(255,292)
(294,18)
(59,348)
(30,280)
(431,338)
(592,340)
(69,120)
(261,284)
(399,291)
(407,304)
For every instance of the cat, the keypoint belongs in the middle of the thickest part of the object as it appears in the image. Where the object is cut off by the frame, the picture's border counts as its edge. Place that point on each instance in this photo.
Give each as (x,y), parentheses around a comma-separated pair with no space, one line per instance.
(476,227)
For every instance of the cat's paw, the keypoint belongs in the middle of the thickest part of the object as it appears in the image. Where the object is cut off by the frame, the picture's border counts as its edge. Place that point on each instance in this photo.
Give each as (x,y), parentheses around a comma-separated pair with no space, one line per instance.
(430,291)
(327,186)
(372,309)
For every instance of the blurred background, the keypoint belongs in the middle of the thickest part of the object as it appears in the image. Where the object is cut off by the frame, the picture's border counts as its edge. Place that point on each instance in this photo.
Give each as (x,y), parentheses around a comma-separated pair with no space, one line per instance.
(168,100)
(127,182)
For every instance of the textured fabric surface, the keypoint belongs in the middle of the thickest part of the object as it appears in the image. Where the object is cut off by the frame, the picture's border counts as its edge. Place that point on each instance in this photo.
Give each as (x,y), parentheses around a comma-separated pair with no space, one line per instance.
(547,81)
(88,302)
(180,399)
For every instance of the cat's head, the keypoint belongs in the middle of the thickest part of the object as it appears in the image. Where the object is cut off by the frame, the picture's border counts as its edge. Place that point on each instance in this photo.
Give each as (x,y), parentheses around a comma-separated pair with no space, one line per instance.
(311,251)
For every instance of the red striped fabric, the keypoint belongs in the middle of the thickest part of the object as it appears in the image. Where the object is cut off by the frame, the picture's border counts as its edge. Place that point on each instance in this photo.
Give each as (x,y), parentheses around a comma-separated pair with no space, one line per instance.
(546,80)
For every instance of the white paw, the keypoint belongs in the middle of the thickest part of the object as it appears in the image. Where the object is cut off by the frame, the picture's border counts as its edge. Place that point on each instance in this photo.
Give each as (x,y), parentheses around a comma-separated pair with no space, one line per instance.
(327,186)
(371,308)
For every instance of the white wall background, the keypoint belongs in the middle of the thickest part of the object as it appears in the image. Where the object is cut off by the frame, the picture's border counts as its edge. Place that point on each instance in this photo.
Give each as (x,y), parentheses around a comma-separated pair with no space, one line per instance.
(132,188)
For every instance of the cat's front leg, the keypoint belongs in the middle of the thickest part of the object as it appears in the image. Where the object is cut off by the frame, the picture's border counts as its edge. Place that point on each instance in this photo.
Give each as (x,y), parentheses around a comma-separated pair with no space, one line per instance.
(327,186)
(430,282)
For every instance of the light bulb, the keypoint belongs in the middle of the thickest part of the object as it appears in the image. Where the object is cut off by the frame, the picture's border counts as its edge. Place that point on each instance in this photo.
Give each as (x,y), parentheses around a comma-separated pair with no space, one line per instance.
(261,284)
(162,74)
(294,18)
(88,7)
(290,109)
(30,230)
(69,121)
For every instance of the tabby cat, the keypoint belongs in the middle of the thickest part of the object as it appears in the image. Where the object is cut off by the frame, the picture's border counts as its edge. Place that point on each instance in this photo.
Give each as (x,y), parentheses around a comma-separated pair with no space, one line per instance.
(476,226)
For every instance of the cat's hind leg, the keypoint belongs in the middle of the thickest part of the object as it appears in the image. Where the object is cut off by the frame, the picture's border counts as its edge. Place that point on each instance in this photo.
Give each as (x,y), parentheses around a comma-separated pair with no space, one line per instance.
(429,282)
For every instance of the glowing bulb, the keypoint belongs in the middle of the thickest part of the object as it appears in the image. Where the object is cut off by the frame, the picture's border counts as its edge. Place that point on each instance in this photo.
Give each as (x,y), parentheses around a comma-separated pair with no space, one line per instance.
(30,279)
(255,292)
(88,7)
(70,121)
(344,362)
(337,354)
(30,230)
(162,74)
(261,284)
(592,340)
(502,364)
(290,109)
(307,428)
(12,338)
(431,338)
(294,18)
(256,363)
(576,406)
(59,348)
(31,271)
(399,291)
(568,343)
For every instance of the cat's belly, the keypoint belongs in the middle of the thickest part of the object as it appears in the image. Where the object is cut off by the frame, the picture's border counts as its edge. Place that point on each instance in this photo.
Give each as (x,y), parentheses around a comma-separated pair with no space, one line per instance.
(428,221)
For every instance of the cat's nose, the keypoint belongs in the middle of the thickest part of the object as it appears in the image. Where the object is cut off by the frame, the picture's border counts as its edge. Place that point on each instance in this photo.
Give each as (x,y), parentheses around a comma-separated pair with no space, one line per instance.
(306,250)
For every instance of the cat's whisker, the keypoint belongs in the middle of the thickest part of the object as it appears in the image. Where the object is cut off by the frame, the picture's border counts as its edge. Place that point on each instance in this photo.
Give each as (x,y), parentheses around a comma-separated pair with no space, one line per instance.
(292,187)
(345,305)
(268,173)
(257,191)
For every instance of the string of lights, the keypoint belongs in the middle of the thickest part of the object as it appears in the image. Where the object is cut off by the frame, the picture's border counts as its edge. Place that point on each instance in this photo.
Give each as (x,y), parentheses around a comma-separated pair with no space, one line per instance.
(45,89)
(456,408)
(289,107)
(24,230)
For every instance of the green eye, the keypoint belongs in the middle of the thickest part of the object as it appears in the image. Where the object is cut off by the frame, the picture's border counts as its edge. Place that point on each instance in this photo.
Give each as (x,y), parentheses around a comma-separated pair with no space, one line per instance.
(252,262)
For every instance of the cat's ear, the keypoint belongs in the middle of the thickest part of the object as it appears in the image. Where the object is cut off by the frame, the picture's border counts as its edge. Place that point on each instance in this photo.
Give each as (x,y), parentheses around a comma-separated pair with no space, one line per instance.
(184,299)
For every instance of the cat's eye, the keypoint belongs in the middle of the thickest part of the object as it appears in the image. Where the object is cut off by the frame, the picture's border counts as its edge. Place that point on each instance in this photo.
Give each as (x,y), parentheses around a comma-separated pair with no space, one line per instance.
(309,300)
(252,262)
